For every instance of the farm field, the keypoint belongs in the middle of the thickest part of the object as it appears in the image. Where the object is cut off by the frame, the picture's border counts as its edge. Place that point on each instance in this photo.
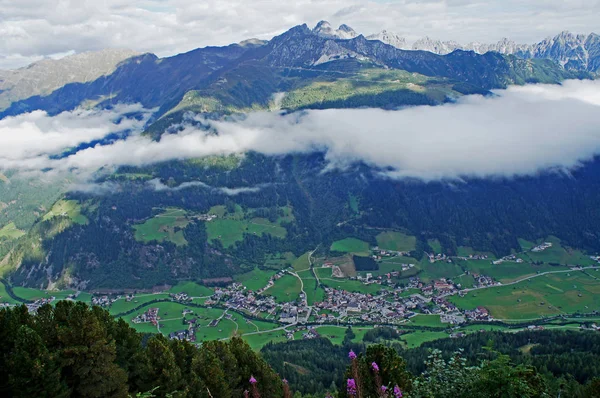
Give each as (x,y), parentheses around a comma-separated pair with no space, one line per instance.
(258,341)
(351,245)
(507,271)
(68,208)
(557,254)
(301,263)
(192,289)
(439,269)
(352,286)
(166,226)
(230,228)
(313,292)
(280,261)
(286,289)
(427,320)
(392,264)
(122,305)
(418,337)
(10,232)
(560,294)
(255,279)
(435,245)
(396,241)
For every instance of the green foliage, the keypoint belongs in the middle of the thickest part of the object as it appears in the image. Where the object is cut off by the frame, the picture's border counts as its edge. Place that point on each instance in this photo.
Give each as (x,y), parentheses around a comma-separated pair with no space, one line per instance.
(72,350)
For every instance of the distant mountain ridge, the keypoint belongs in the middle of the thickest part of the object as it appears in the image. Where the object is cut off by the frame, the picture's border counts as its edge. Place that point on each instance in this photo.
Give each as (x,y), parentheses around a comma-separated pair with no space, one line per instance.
(572,51)
(43,77)
(246,76)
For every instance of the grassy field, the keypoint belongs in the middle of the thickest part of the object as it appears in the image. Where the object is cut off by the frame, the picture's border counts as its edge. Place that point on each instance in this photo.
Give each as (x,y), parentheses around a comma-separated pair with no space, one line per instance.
(419,337)
(393,264)
(507,271)
(435,245)
(351,245)
(258,341)
(351,286)
(301,263)
(232,229)
(122,305)
(396,241)
(192,289)
(557,254)
(280,261)
(559,293)
(439,269)
(313,292)
(427,320)
(167,226)
(285,289)
(10,232)
(4,297)
(68,208)
(255,279)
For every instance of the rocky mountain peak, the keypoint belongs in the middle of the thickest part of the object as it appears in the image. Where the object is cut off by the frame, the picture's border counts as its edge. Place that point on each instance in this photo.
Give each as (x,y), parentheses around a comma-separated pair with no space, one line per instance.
(324,29)
(390,38)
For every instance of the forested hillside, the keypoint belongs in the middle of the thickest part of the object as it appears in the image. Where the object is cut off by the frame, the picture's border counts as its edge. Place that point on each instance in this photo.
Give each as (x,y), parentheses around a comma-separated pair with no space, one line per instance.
(72,350)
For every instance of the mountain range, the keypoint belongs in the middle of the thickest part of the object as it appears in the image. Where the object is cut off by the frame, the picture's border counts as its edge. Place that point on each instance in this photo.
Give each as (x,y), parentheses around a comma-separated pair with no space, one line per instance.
(572,51)
(53,237)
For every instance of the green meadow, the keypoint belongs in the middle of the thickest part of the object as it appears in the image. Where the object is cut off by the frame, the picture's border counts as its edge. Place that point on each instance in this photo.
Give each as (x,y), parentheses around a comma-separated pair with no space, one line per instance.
(255,279)
(351,245)
(10,232)
(166,226)
(67,208)
(547,295)
(396,241)
(230,228)
(286,289)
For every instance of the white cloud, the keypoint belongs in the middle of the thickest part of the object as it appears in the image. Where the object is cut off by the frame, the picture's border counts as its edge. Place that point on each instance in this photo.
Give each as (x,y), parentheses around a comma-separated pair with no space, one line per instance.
(35,134)
(35,28)
(157,185)
(520,131)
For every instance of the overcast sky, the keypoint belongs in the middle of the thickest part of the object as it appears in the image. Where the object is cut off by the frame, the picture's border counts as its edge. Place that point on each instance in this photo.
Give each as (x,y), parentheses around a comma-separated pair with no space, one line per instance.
(32,29)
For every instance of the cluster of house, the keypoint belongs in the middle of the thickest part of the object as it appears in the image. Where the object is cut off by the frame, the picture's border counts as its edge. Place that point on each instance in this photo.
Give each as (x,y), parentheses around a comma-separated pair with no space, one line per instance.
(237,297)
(474,257)
(509,258)
(150,316)
(542,247)
(180,297)
(378,254)
(206,217)
(294,313)
(35,306)
(438,257)
(478,314)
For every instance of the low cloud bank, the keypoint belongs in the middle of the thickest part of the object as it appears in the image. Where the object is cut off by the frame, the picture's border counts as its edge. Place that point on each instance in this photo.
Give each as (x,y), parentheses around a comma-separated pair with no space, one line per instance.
(520,131)
(157,185)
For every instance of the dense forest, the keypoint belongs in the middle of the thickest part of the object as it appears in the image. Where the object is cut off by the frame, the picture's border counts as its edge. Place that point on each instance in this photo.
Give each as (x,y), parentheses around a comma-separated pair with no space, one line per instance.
(567,362)
(72,350)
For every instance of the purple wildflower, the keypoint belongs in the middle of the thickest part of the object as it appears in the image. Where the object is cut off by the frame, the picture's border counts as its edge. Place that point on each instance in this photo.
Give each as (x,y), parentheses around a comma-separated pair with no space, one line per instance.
(351,387)
(375,367)
(397,392)
(352,355)
(252,380)
(383,389)
(285,381)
